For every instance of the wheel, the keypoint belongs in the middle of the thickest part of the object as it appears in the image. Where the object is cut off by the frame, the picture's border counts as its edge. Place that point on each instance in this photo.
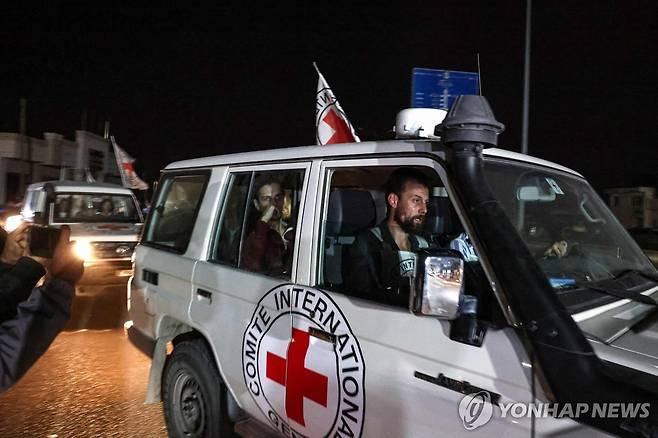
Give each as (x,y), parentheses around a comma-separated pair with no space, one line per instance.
(193,393)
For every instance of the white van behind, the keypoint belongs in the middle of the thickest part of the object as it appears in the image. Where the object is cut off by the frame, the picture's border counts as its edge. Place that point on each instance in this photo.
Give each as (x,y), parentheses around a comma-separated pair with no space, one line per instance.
(105,221)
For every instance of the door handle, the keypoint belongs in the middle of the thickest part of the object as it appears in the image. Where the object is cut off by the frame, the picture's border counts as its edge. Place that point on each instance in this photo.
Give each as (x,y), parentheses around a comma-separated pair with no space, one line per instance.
(322,335)
(204,293)
(150,277)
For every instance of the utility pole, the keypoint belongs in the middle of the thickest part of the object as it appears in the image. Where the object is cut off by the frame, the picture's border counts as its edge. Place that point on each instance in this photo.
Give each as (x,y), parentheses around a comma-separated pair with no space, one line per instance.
(23,116)
(83,119)
(526,78)
(25,140)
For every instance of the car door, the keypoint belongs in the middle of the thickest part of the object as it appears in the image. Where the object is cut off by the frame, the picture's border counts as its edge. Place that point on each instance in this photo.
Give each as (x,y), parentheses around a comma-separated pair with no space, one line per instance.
(368,368)
(165,258)
(233,303)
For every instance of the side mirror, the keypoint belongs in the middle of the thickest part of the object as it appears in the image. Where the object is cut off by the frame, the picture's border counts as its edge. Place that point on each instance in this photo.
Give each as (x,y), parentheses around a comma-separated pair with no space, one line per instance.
(437,287)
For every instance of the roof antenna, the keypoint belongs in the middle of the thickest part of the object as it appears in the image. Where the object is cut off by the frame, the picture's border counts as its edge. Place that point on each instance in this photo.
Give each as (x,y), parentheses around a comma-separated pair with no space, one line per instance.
(479,75)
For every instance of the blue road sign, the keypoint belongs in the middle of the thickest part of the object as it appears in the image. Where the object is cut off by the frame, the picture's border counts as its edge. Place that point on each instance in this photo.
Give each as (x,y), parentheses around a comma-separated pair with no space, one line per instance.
(438,88)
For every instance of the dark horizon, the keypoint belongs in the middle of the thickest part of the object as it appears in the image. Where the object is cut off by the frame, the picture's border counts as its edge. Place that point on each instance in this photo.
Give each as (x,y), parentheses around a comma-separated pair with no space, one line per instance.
(180,83)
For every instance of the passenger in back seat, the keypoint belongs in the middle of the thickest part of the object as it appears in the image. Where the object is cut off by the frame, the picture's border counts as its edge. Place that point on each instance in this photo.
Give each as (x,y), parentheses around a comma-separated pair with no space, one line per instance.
(266,249)
(383,256)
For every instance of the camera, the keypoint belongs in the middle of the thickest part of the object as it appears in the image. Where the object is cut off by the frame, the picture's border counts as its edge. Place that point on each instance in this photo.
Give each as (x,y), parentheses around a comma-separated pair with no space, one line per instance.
(43,240)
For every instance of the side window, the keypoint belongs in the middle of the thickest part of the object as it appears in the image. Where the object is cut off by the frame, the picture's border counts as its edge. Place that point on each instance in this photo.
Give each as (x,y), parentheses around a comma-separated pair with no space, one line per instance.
(227,244)
(31,201)
(62,207)
(259,221)
(370,237)
(175,211)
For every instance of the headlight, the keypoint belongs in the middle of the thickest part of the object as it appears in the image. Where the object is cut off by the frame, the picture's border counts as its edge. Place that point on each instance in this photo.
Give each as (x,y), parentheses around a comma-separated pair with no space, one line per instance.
(82,249)
(13,222)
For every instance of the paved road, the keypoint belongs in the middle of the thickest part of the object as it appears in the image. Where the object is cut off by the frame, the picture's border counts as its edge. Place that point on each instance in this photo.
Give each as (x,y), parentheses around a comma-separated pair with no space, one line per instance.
(90,383)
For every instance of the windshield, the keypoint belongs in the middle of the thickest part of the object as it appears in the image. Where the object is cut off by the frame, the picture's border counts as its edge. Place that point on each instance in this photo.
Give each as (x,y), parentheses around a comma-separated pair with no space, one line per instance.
(575,239)
(95,207)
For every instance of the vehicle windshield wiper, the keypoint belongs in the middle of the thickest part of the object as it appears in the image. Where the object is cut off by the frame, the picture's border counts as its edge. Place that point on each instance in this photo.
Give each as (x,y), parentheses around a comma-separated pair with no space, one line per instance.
(647,275)
(621,293)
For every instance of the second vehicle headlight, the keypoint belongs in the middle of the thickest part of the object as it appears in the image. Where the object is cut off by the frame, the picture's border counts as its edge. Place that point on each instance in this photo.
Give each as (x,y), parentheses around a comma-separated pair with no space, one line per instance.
(82,249)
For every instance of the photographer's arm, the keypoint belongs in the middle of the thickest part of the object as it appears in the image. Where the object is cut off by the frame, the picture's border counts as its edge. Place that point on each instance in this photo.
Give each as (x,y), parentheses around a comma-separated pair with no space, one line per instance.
(24,338)
(16,284)
(28,335)
(18,274)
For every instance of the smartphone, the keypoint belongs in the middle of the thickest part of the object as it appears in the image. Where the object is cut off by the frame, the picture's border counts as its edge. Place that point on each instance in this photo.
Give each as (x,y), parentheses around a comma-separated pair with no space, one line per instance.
(43,240)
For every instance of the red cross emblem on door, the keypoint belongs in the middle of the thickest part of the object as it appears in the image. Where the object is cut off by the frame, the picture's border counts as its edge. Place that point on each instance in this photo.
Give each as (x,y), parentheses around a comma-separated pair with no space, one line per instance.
(301,382)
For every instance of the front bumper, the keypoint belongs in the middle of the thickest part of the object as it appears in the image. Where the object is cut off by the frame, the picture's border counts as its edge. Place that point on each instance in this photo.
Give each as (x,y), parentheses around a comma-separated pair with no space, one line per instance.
(106,271)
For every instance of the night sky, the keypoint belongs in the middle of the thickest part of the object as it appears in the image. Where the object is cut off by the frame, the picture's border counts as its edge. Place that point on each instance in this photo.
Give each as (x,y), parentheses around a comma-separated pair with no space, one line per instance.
(186,82)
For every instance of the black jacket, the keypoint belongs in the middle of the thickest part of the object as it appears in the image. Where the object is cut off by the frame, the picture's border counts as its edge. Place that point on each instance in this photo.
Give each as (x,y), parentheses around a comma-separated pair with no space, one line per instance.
(374,269)
(16,284)
(30,319)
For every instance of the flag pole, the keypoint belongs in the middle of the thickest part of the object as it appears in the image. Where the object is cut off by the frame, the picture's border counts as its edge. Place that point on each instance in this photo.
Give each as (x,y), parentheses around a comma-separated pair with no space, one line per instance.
(118,160)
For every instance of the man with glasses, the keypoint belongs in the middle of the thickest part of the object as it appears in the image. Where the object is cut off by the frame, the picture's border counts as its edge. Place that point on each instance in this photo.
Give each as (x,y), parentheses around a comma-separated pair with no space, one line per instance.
(266,249)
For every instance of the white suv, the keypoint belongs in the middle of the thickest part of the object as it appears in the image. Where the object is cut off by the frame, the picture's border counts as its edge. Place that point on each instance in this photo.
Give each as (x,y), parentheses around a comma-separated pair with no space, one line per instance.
(471,337)
(105,221)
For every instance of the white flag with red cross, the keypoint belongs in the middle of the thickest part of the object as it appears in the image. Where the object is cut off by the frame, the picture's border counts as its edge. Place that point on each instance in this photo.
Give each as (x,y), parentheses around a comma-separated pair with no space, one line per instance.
(331,123)
(125,162)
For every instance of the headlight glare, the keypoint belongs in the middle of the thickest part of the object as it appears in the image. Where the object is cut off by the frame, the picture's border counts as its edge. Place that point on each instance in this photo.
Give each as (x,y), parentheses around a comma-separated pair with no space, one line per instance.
(13,222)
(82,249)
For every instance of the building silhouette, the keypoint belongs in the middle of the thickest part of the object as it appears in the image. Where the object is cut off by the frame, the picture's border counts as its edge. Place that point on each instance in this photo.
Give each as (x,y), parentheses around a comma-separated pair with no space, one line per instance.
(24,160)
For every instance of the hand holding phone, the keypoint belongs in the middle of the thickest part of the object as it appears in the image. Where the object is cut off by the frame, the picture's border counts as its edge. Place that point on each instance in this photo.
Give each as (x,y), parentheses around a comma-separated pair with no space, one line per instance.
(43,240)
(15,244)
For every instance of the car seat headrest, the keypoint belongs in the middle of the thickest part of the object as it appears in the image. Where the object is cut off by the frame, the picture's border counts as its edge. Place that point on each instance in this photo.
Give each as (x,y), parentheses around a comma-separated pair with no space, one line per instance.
(350,210)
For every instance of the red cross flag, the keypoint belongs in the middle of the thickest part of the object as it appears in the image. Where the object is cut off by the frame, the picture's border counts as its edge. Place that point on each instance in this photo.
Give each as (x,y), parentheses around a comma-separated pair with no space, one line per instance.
(125,162)
(331,123)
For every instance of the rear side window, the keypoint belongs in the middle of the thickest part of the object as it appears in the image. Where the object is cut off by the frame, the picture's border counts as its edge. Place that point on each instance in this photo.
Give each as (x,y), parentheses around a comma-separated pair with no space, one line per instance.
(259,220)
(227,248)
(175,211)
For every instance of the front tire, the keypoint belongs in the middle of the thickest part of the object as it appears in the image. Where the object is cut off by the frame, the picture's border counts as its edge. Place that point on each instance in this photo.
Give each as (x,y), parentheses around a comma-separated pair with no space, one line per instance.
(193,393)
